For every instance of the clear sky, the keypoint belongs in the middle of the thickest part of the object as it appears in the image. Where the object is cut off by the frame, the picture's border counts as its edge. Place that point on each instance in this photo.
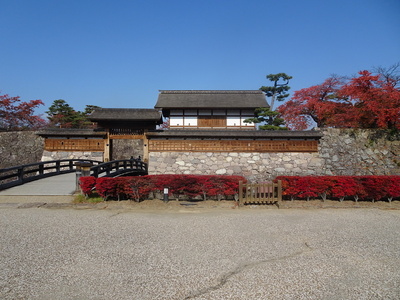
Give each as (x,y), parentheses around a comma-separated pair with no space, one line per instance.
(120,53)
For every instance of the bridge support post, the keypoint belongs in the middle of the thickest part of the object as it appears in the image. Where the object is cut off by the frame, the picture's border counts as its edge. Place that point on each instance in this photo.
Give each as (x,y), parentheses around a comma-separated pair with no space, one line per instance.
(82,170)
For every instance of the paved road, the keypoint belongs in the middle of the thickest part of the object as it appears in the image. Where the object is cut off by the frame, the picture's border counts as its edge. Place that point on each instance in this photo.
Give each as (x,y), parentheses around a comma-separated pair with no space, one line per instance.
(199,254)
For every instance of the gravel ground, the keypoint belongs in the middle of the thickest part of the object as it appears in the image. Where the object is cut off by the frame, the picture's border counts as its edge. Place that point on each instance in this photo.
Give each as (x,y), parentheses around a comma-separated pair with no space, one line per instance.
(188,253)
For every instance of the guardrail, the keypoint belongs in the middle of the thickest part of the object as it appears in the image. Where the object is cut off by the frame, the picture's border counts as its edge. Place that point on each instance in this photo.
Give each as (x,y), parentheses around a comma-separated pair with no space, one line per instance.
(120,167)
(18,175)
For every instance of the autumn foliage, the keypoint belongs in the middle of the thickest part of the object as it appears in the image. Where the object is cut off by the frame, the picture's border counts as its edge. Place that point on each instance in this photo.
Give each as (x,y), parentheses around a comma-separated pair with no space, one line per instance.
(365,101)
(17,115)
(146,187)
(372,188)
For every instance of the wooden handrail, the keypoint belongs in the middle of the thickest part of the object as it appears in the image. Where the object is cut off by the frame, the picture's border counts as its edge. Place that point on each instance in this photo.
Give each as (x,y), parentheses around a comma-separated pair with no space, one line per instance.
(18,175)
(119,167)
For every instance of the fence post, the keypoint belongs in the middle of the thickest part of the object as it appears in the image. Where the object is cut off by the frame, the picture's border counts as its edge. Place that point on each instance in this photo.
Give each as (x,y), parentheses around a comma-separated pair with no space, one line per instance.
(58,167)
(279,190)
(21,174)
(82,169)
(240,192)
(41,169)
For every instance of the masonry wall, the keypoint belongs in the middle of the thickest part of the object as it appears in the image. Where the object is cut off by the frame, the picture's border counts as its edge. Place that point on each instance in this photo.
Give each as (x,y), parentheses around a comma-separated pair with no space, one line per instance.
(124,149)
(341,152)
(57,155)
(19,148)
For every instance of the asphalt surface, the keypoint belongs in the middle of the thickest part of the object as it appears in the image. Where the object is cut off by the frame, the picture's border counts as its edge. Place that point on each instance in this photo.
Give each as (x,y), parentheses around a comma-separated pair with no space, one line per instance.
(66,253)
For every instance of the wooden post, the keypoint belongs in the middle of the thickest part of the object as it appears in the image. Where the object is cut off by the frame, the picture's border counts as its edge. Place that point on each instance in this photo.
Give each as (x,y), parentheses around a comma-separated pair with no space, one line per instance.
(107,147)
(240,193)
(145,149)
(279,190)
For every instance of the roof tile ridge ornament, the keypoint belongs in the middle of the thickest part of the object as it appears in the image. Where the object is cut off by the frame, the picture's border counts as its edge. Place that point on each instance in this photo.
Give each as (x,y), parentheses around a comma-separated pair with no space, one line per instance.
(210,91)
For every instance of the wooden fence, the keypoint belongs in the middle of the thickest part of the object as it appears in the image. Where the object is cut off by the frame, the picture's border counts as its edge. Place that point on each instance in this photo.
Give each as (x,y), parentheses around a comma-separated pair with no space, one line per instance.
(260,193)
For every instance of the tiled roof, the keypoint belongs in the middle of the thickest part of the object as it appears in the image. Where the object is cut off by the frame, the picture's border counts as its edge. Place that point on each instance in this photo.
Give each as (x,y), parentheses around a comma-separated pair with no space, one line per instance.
(124,114)
(168,99)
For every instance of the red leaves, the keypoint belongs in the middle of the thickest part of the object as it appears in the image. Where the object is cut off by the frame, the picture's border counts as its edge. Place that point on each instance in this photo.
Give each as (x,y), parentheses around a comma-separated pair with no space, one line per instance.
(106,187)
(339,187)
(16,115)
(366,101)
(87,184)
(377,101)
(188,186)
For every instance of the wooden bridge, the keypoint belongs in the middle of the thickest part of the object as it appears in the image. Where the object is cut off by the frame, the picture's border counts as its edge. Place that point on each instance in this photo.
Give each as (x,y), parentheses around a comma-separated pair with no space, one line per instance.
(19,175)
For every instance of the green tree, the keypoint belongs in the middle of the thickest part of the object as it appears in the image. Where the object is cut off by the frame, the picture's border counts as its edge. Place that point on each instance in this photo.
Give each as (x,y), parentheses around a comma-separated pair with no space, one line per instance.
(277,92)
(89,109)
(84,114)
(61,114)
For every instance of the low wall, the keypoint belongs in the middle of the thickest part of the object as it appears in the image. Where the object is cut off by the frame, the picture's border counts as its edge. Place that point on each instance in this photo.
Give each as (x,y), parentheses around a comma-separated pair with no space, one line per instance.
(341,152)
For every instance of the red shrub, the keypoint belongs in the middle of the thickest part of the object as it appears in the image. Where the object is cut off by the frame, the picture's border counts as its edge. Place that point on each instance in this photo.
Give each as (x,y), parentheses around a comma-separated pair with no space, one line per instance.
(106,187)
(141,187)
(374,186)
(393,188)
(322,185)
(360,187)
(87,184)
(190,186)
(289,186)
(343,186)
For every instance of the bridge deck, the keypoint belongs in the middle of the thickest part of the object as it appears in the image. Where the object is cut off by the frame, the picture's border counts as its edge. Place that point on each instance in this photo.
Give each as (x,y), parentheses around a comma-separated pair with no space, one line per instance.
(55,185)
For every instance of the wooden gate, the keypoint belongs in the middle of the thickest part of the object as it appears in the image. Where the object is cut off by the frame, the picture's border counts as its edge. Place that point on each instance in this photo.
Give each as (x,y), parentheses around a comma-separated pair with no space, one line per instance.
(260,193)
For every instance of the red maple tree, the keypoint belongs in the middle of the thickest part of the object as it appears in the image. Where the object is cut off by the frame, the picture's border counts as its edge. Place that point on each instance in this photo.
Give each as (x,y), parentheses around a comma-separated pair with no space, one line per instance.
(376,101)
(17,115)
(365,101)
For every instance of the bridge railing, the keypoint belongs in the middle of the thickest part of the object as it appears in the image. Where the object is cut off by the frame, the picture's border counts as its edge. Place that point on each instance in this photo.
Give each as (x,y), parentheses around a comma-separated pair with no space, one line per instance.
(18,175)
(119,167)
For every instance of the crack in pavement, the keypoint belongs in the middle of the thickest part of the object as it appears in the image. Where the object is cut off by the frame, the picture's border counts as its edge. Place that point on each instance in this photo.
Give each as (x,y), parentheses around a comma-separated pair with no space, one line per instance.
(240,268)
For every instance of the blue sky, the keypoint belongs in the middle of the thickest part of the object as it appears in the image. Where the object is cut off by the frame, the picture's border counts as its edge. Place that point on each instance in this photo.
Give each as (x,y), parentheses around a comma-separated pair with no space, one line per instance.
(120,53)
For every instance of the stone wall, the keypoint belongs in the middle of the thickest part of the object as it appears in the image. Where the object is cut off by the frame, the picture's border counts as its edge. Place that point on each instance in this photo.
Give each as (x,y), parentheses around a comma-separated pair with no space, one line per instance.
(124,149)
(360,152)
(341,152)
(19,148)
(53,155)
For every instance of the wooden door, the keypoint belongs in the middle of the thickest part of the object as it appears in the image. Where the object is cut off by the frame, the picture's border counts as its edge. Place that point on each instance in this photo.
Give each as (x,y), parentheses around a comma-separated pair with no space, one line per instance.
(211,121)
